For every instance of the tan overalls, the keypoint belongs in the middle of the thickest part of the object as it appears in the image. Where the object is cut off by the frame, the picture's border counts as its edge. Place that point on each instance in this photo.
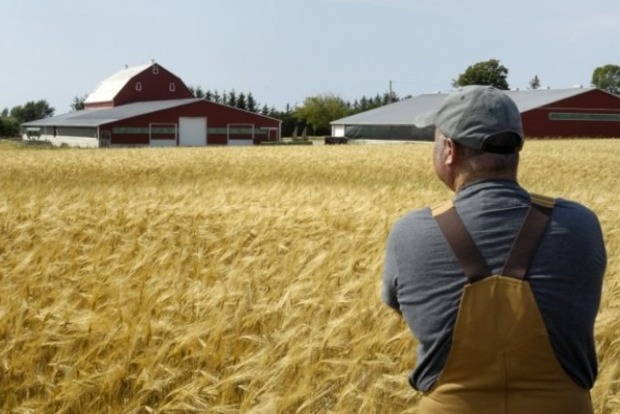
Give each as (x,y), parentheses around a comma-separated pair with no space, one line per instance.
(501,360)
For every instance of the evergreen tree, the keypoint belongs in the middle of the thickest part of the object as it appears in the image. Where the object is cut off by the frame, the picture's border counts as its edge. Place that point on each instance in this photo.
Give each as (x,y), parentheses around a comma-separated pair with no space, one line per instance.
(252,105)
(363,103)
(199,93)
(241,101)
(232,98)
(216,97)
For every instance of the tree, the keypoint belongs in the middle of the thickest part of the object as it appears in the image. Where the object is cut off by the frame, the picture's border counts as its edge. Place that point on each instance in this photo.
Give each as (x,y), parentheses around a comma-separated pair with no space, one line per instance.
(489,72)
(389,97)
(217,98)
(9,127)
(198,92)
(78,102)
(288,118)
(32,111)
(607,78)
(241,103)
(252,106)
(318,111)
(535,82)
(231,100)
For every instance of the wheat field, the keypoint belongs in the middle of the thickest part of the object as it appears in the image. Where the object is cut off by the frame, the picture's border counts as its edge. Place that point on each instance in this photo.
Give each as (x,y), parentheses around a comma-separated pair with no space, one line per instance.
(236,280)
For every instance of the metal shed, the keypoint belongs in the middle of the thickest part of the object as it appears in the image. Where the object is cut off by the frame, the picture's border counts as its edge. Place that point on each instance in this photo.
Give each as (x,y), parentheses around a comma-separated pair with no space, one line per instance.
(559,113)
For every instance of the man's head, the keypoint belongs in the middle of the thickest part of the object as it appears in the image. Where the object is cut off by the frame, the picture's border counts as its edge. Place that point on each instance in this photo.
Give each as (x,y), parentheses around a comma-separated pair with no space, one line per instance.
(478,134)
(483,118)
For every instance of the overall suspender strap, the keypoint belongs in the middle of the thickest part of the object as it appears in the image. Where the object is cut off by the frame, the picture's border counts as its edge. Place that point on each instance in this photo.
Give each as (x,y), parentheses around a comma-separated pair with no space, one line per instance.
(529,237)
(460,241)
(521,253)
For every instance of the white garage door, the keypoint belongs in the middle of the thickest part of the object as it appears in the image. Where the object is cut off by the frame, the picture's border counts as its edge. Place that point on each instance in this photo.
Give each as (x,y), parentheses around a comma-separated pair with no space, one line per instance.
(338,130)
(192,132)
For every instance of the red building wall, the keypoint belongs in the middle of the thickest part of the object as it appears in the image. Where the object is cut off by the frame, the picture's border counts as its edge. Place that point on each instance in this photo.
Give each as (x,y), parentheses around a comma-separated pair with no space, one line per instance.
(154,85)
(219,117)
(592,106)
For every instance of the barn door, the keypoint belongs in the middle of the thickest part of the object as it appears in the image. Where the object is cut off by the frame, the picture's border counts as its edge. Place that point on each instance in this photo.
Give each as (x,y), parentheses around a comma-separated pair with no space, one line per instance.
(192,132)
(105,139)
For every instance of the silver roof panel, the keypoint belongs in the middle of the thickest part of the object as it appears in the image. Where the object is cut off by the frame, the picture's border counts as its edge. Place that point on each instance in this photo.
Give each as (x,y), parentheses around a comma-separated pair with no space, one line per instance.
(404,112)
(96,117)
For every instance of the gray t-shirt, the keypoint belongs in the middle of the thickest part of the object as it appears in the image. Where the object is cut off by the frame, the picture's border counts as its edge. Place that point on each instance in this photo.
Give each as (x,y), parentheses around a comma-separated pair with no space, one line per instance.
(424,281)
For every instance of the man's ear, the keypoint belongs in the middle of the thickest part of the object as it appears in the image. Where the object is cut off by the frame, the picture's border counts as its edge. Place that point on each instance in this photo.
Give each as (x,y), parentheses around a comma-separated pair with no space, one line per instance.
(451,153)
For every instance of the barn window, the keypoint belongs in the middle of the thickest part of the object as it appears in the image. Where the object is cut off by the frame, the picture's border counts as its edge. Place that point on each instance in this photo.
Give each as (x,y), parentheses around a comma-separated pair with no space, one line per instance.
(155,69)
(138,86)
(172,87)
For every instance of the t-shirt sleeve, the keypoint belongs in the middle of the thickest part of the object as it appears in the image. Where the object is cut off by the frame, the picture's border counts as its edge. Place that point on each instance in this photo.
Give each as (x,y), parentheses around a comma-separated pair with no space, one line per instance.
(390,275)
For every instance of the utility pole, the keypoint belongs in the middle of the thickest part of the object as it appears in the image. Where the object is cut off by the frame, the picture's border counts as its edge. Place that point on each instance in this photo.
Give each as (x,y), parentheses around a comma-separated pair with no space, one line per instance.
(392,95)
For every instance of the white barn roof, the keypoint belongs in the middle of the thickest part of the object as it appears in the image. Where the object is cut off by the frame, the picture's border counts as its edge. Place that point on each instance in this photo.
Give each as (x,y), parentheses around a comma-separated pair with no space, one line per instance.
(110,87)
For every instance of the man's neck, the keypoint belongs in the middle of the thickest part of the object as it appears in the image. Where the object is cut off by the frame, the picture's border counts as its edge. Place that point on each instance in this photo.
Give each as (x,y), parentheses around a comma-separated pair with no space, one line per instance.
(463,180)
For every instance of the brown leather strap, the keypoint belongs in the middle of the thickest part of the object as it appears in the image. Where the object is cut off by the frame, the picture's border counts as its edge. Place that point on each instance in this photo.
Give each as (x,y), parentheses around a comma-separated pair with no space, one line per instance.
(521,253)
(529,237)
(463,246)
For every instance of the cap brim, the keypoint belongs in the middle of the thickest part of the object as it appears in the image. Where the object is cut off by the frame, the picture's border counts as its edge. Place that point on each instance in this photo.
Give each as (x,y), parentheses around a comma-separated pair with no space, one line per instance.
(425,120)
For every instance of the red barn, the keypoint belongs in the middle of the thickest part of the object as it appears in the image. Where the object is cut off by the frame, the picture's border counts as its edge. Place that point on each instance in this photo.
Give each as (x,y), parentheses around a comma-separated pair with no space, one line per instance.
(554,113)
(149,106)
(137,84)
(579,112)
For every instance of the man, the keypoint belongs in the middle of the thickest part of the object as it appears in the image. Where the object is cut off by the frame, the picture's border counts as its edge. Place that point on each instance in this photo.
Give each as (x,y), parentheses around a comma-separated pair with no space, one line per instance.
(500,287)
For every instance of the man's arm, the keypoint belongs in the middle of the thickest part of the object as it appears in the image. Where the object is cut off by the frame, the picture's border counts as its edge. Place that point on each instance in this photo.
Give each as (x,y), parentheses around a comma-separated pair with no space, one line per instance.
(389,293)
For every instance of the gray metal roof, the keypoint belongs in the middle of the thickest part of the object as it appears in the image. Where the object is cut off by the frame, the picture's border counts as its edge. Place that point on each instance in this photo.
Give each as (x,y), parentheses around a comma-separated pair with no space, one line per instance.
(96,117)
(404,112)
(531,99)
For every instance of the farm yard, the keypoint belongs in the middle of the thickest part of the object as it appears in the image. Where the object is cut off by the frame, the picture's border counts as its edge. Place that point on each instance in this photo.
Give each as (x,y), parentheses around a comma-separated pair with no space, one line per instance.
(236,280)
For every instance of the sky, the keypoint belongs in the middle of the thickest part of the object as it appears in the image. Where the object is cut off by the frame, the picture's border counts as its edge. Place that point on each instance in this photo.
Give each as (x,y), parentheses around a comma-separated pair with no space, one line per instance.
(284,51)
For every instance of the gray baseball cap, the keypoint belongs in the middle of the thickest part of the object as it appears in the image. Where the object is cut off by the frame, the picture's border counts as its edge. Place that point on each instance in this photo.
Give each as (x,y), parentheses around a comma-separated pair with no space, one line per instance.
(479,116)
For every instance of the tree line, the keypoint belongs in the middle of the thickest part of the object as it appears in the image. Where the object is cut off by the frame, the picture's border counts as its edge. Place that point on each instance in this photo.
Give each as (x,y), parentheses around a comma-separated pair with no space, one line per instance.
(10,121)
(313,117)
